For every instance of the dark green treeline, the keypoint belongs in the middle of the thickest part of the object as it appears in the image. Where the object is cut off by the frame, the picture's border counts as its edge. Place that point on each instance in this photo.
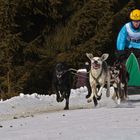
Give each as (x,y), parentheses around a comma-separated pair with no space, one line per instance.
(35,34)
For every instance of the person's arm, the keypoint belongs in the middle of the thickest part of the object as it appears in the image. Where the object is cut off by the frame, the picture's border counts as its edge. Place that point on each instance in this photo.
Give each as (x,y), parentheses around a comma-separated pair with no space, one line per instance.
(122,39)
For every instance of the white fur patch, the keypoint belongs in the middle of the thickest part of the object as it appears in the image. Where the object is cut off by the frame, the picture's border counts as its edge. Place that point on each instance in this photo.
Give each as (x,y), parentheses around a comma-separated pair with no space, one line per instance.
(81,70)
(122,85)
(115,85)
(118,101)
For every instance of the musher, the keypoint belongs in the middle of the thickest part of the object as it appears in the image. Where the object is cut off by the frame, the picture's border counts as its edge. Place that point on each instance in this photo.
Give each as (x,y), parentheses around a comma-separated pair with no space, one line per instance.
(128,39)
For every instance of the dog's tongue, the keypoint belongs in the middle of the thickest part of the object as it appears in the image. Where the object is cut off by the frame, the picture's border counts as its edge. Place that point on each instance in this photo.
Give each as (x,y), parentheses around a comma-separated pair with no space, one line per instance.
(96,66)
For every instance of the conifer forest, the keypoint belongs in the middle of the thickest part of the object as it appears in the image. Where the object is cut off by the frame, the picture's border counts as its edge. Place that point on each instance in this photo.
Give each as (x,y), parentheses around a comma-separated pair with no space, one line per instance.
(36,34)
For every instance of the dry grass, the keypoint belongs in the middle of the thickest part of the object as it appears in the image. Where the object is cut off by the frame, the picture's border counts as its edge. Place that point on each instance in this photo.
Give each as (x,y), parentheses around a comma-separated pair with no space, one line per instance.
(5,96)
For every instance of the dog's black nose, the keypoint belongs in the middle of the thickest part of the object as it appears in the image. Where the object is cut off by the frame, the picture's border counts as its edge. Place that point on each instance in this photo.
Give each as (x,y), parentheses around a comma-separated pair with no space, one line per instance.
(96,62)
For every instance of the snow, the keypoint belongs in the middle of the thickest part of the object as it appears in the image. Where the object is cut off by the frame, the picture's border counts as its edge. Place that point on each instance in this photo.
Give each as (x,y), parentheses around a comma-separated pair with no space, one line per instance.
(40,117)
(81,70)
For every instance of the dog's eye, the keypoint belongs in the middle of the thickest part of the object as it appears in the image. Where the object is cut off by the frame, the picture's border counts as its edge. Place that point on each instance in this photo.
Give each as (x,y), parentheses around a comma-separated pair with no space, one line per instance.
(98,59)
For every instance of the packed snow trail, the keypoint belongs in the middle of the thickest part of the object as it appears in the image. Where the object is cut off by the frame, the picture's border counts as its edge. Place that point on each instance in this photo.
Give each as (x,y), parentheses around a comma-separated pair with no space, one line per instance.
(28,105)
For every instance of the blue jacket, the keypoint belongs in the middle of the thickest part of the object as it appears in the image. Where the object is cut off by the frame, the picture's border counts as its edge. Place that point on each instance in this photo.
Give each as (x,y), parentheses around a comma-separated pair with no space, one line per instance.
(126,37)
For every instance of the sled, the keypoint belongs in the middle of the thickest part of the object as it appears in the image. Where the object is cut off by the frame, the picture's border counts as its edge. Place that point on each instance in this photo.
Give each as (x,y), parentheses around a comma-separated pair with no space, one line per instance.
(80,78)
(133,69)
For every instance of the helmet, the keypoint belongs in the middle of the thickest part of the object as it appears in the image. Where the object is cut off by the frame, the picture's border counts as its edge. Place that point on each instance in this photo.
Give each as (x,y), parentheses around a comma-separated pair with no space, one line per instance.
(135,14)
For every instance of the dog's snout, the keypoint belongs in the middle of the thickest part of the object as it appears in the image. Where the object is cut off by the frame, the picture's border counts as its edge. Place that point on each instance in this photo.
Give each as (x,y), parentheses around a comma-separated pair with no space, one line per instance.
(59,74)
(96,62)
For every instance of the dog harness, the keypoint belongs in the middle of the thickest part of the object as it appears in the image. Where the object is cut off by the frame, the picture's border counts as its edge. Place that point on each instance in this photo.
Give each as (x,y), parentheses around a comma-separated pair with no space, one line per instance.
(97,79)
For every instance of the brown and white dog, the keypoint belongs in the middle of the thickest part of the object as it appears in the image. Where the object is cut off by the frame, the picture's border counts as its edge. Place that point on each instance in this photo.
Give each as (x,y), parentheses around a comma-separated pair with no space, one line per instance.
(119,80)
(99,76)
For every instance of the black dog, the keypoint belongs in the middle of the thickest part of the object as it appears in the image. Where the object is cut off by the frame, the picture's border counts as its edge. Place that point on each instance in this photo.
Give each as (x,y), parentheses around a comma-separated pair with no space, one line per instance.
(62,82)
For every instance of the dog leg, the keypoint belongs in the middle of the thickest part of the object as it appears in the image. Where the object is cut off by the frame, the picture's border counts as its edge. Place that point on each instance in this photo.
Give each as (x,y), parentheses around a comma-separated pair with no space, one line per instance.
(56,91)
(89,89)
(114,95)
(95,101)
(66,104)
(118,94)
(62,96)
(118,98)
(94,90)
(58,96)
(118,101)
(100,91)
(92,96)
(67,95)
(108,85)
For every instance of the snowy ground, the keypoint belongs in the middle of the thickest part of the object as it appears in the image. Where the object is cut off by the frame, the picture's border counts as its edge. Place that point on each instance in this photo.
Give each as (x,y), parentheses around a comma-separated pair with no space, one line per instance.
(35,117)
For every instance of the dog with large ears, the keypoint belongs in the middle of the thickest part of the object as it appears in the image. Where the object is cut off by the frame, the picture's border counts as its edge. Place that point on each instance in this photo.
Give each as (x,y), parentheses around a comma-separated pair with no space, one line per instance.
(99,76)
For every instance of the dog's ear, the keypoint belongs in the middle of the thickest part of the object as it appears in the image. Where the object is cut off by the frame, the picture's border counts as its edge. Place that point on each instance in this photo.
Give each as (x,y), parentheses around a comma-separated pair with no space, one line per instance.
(104,56)
(89,55)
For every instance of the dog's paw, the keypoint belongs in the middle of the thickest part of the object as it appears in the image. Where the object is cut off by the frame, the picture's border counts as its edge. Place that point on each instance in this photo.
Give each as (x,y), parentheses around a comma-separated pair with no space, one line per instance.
(98,98)
(113,98)
(118,101)
(66,108)
(57,99)
(89,100)
(87,96)
(61,98)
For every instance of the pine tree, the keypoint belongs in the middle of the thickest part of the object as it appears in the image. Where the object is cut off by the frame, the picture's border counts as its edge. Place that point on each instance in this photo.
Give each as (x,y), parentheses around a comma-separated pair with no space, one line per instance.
(9,44)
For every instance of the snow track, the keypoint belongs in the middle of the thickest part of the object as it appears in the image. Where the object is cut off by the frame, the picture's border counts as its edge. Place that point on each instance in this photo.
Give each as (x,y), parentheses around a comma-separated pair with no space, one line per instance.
(28,105)
(36,117)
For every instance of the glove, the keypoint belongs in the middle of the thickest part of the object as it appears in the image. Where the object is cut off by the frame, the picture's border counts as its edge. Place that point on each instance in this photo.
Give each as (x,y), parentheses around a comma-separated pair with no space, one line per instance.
(136,52)
(133,50)
(120,55)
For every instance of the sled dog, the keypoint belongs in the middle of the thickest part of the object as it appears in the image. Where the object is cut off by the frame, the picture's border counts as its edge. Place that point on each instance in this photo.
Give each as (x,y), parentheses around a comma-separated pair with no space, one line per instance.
(61,83)
(119,79)
(99,76)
